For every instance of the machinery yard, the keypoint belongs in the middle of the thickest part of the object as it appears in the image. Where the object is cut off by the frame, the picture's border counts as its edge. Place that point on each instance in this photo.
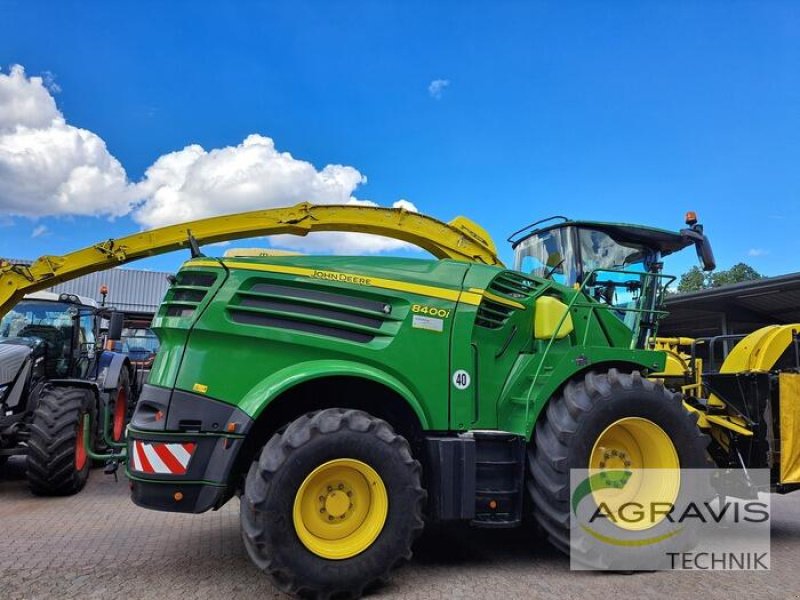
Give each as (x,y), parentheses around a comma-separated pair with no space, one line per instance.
(513,310)
(97,544)
(336,532)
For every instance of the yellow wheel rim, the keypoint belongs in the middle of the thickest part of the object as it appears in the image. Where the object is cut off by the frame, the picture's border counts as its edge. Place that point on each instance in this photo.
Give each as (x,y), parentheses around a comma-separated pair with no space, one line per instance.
(644,449)
(340,508)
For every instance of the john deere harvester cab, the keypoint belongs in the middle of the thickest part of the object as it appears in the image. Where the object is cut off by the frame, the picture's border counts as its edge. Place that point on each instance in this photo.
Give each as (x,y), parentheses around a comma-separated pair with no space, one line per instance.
(617,264)
(54,372)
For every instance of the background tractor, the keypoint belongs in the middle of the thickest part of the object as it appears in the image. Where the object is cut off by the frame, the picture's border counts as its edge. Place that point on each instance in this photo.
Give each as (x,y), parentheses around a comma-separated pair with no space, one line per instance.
(139,344)
(54,372)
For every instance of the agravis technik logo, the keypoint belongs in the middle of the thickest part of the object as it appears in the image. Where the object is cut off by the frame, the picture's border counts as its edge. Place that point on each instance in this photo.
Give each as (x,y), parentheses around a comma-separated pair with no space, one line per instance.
(626,513)
(654,519)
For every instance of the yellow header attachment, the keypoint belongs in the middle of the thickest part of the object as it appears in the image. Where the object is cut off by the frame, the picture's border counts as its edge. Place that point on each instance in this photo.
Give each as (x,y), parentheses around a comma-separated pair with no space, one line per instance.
(461,239)
(760,350)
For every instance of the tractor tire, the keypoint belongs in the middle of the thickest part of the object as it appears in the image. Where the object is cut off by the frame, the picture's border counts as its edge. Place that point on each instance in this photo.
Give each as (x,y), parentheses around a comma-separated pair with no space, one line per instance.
(119,405)
(343,474)
(57,463)
(566,435)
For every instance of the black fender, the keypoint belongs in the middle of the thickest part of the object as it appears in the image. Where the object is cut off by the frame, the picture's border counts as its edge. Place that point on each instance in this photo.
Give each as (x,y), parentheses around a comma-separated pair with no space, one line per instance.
(113,363)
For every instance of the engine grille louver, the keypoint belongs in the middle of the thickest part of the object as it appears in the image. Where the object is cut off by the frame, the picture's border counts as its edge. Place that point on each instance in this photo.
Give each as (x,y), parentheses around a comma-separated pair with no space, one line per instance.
(187,293)
(319,312)
(508,285)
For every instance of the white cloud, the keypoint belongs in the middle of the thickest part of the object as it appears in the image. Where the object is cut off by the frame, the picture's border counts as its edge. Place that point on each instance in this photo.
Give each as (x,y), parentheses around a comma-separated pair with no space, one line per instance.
(756,252)
(436,88)
(51,168)
(38,231)
(48,167)
(193,183)
(25,102)
(405,205)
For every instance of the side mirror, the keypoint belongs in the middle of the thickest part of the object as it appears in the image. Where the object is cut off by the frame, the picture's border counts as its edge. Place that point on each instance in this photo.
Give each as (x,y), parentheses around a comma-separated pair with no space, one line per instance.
(115,326)
(704,252)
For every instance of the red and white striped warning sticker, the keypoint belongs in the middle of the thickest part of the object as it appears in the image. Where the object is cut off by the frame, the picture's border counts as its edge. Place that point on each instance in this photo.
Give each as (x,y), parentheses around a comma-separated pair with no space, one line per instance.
(158,457)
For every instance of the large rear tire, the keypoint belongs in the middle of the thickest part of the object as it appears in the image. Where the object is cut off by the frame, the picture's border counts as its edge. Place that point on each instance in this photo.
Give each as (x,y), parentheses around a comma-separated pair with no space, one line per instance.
(57,462)
(617,418)
(333,504)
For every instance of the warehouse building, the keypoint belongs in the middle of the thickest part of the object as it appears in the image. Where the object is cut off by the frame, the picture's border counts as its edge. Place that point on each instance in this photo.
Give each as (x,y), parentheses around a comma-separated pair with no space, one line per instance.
(734,309)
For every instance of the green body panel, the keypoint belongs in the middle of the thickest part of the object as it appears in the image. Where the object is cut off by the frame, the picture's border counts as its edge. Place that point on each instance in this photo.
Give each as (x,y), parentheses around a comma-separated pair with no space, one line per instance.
(264,325)
(275,384)
(248,365)
(171,328)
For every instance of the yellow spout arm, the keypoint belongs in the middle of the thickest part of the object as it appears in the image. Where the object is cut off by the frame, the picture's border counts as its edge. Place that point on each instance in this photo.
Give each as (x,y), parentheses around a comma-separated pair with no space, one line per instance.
(461,239)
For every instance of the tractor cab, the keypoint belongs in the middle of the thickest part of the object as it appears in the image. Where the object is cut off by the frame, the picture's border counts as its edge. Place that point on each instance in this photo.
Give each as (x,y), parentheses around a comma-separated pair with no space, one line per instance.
(613,263)
(60,327)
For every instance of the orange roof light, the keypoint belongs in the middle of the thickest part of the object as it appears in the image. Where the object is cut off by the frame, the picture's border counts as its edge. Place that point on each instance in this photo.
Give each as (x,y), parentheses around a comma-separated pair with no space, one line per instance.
(691,217)
(104,289)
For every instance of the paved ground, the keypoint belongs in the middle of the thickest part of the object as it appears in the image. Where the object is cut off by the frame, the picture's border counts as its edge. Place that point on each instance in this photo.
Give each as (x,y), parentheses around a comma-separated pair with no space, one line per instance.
(99,545)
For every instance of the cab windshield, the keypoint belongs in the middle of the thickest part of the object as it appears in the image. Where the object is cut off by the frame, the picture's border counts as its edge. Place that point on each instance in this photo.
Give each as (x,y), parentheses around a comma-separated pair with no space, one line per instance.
(38,319)
(599,250)
(52,322)
(549,254)
(568,254)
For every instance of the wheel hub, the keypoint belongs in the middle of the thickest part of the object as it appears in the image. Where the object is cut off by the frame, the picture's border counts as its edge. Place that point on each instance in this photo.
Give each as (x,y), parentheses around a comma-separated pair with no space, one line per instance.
(337,503)
(340,508)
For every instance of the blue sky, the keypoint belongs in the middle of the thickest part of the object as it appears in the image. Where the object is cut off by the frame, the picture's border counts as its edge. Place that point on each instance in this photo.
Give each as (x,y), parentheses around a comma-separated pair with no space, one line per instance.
(597,110)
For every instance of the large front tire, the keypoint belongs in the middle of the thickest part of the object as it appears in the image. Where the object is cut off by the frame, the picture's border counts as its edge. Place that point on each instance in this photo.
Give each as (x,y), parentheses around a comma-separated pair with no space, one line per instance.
(57,461)
(646,421)
(333,504)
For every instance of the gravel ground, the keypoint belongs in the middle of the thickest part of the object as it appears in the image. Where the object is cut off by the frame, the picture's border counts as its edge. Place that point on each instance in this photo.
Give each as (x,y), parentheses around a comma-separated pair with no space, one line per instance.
(99,545)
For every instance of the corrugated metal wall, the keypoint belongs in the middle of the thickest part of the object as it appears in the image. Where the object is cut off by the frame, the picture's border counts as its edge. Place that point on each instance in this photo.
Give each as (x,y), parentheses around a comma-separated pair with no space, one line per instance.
(130,290)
